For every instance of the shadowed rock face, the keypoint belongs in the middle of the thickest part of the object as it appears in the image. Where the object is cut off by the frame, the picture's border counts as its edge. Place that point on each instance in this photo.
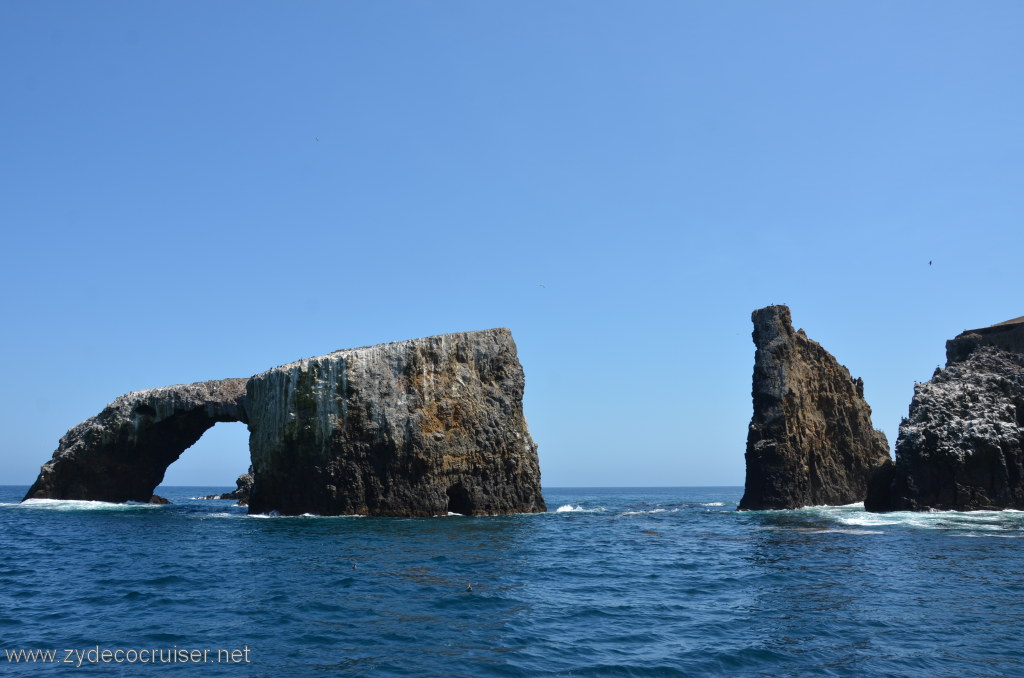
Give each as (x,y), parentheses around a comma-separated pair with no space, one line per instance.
(810,440)
(1008,336)
(121,454)
(960,448)
(414,428)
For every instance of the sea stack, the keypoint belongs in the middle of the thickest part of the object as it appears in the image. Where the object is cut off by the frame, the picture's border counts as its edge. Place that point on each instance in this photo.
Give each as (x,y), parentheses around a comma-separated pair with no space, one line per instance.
(960,447)
(810,440)
(423,427)
(414,428)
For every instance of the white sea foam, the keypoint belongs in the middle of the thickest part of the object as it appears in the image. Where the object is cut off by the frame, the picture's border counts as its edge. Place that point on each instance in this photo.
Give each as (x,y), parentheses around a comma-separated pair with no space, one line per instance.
(855,505)
(1006,523)
(652,511)
(714,503)
(974,521)
(988,534)
(569,508)
(275,514)
(83,505)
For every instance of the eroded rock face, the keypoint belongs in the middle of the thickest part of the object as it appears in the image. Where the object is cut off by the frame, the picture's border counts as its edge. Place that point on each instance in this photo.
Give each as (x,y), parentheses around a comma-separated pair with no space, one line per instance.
(121,454)
(960,448)
(810,440)
(414,428)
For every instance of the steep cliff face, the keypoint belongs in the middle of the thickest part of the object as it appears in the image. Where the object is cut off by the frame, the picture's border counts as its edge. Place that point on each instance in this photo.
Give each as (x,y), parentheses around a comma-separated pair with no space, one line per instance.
(121,454)
(810,440)
(413,428)
(960,448)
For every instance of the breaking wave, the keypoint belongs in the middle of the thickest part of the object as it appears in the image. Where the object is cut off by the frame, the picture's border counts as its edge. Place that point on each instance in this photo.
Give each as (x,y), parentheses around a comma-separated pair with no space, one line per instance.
(569,508)
(84,505)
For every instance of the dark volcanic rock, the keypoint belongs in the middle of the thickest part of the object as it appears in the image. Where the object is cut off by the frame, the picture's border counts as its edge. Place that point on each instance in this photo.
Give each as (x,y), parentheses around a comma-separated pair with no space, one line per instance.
(810,440)
(1008,336)
(413,428)
(121,454)
(960,448)
(243,488)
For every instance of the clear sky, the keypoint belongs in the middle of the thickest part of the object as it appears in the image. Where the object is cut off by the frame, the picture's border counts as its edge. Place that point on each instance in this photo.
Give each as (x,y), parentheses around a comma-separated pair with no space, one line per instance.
(198,190)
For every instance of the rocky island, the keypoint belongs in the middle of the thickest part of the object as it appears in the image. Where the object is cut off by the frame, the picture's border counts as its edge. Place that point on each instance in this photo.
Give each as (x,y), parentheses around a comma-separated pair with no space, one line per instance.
(422,427)
(960,447)
(810,440)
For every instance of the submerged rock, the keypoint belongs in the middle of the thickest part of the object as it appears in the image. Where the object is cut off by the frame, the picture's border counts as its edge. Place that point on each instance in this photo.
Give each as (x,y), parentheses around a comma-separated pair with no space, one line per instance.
(960,448)
(414,428)
(121,454)
(810,440)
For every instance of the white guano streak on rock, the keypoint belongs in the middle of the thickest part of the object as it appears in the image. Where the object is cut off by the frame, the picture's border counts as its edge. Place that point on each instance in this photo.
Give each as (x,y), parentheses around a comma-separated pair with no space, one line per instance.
(327,396)
(325,374)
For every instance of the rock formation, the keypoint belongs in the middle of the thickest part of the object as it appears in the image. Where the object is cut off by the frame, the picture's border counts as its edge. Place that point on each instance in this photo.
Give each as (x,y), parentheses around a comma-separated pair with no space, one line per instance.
(1008,335)
(241,493)
(414,428)
(960,448)
(810,440)
(121,454)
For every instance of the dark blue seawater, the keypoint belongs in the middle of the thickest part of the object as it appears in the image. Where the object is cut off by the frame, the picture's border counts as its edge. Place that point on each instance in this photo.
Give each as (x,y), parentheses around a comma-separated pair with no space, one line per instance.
(610,582)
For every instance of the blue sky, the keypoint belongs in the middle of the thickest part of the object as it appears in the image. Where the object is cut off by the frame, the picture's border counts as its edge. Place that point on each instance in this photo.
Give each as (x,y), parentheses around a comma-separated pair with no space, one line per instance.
(196,190)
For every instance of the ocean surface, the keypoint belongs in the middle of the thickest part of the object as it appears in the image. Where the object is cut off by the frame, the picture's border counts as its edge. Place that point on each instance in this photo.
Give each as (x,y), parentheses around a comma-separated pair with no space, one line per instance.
(609,582)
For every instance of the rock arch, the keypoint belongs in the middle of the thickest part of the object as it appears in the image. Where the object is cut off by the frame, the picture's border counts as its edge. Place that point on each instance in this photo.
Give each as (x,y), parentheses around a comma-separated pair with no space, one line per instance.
(121,454)
(411,428)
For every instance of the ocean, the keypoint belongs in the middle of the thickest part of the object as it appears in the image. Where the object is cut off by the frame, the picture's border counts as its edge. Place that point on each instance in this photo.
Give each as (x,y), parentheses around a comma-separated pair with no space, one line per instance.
(609,582)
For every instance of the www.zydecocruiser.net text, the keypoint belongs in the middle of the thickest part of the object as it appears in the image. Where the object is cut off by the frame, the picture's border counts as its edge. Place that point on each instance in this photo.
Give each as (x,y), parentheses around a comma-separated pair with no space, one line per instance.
(78,657)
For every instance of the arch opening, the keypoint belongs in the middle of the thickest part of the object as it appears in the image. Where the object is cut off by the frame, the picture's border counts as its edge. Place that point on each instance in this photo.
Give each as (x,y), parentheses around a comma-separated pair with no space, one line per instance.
(214,461)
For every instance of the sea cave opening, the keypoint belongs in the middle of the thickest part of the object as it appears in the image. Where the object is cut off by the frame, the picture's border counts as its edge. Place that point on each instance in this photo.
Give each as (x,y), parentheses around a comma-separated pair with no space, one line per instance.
(459,501)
